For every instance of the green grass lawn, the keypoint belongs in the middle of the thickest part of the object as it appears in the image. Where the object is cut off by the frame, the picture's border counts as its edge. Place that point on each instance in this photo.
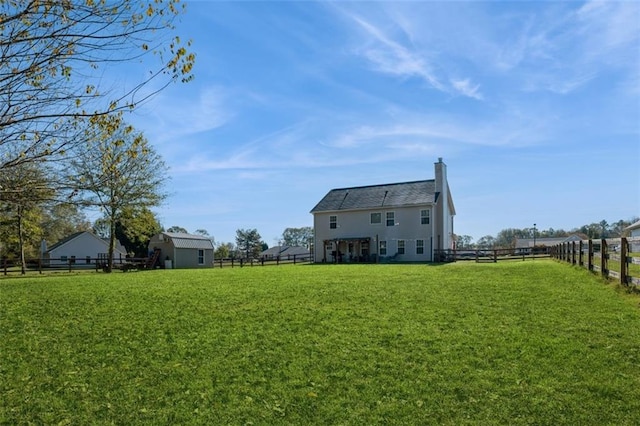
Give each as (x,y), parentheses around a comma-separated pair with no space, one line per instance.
(535,342)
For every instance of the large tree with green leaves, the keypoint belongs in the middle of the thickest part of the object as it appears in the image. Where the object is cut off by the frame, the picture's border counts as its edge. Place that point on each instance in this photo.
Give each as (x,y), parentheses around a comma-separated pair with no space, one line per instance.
(249,242)
(54,59)
(302,237)
(118,170)
(135,227)
(24,192)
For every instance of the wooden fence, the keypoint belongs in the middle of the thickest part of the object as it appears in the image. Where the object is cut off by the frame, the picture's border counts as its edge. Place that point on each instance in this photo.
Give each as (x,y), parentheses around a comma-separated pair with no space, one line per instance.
(614,258)
(69,264)
(491,255)
(284,260)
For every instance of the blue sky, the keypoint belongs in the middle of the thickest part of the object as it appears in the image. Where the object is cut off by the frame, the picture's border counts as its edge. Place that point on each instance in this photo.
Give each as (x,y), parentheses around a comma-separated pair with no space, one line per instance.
(534,106)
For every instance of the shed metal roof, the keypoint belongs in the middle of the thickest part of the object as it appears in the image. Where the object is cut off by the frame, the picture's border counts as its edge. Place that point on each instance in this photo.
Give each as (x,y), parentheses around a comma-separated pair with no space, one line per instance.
(377,196)
(188,241)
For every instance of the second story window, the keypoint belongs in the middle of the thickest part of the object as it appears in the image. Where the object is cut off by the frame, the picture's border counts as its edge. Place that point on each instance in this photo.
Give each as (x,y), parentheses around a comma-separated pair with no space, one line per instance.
(391,219)
(376,218)
(424,217)
(333,222)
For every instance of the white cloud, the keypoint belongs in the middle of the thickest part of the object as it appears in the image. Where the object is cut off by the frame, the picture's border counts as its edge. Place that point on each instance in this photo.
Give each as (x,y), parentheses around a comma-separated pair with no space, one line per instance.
(172,115)
(466,88)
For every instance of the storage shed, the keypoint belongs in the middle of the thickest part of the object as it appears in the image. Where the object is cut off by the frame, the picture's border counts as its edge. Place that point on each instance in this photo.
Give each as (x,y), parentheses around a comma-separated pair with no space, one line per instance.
(181,251)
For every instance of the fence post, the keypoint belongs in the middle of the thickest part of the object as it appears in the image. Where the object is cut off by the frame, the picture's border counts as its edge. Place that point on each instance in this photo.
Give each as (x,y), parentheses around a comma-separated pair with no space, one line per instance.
(590,255)
(69,264)
(573,252)
(232,262)
(603,258)
(623,261)
(495,256)
(580,255)
(241,262)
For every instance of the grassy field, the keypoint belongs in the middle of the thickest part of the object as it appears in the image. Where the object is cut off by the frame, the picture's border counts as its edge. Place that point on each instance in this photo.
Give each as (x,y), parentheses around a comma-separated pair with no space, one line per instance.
(535,342)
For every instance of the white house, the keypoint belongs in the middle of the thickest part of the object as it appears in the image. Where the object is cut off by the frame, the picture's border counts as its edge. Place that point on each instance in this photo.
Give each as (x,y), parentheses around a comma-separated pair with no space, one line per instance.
(408,221)
(81,248)
(179,250)
(633,231)
(286,253)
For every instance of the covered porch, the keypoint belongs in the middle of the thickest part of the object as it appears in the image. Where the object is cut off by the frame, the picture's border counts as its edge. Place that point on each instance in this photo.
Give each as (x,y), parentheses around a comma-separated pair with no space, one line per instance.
(348,250)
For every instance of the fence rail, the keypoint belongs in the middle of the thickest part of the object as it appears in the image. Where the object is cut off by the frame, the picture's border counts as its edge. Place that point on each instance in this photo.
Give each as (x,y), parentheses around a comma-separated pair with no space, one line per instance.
(492,255)
(614,258)
(69,264)
(284,260)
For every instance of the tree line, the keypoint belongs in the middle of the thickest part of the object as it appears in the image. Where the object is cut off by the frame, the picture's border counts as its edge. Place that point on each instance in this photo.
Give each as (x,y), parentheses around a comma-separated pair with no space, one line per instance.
(65,145)
(506,238)
(249,244)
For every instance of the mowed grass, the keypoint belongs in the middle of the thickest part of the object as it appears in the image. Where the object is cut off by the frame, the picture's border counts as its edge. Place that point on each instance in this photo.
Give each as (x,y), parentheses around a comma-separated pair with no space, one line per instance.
(535,342)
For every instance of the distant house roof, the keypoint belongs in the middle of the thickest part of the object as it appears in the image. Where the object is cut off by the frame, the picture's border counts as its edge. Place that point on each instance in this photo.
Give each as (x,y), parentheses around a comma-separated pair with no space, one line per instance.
(65,240)
(377,196)
(119,247)
(633,226)
(189,241)
(528,242)
(284,251)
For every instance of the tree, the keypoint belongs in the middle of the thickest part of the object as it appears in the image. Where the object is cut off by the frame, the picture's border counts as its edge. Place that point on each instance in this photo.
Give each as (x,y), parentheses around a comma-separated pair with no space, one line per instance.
(302,237)
(249,242)
(177,230)
(118,170)
(53,59)
(486,242)
(135,227)
(463,241)
(202,232)
(61,220)
(25,189)
(224,250)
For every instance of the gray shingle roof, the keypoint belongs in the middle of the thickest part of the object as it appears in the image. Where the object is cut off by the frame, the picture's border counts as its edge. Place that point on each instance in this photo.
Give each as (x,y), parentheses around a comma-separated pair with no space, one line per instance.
(376,196)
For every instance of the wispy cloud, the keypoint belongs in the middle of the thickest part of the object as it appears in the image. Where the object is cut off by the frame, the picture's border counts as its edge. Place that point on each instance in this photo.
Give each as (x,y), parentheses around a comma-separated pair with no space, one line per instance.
(172,116)
(399,57)
(466,88)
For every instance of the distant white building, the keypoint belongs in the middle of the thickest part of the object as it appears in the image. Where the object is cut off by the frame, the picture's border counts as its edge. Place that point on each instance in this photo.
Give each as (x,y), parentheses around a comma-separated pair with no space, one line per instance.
(634,232)
(285,253)
(81,248)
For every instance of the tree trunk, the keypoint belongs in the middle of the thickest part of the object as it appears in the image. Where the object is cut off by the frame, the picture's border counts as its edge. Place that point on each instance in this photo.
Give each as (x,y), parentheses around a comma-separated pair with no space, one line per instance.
(23,262)
(112,240)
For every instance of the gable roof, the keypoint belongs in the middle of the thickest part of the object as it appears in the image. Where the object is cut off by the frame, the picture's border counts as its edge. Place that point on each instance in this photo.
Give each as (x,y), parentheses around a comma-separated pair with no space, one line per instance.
(119,247)
(189,241)
(65,240)
(377,196)
(547,241)
(633,226)
(285,251)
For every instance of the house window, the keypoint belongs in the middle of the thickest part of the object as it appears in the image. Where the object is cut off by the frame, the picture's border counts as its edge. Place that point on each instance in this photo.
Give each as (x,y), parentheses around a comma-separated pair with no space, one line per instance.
(383,248)
(424,217)
(419,246)
(63,258)
(376,218)
(391,219)
(333,222)
(200,257)
(87,260)
(400,246)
